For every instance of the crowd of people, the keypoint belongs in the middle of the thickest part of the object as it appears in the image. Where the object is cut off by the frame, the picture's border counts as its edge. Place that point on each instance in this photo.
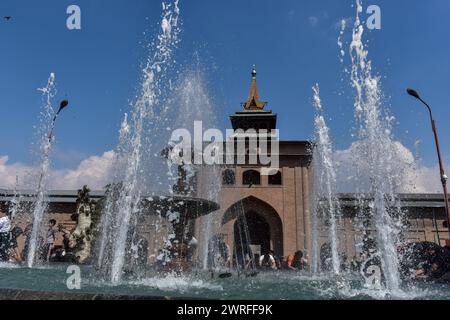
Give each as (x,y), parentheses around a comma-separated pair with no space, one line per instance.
(419,261)
(293,262)
(9,240)
(425,261)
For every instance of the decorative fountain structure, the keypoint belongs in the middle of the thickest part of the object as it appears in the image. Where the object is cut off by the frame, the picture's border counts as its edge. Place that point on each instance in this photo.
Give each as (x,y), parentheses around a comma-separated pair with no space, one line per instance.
(179,211)
(79,241)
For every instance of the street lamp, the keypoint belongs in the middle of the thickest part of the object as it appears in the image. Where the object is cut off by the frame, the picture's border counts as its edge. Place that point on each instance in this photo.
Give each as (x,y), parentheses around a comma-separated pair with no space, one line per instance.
(444,178)
(62,105)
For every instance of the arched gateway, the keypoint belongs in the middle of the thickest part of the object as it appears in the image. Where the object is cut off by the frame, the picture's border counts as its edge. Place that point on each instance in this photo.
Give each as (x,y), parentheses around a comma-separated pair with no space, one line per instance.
(255,224)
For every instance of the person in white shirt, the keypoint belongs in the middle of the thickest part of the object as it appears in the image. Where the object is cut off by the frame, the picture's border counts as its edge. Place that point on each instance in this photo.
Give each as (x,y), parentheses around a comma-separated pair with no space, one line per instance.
(193,242)
(5,223)
(162,259)
(192,247)
(267,261)
(5,227)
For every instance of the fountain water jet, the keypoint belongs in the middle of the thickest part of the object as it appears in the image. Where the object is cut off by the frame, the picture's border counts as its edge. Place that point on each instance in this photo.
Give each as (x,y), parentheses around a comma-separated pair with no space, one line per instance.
(111,194)
(326,202)
(210,224)
(132,150)
(375,153)
(193,103)
(45,144)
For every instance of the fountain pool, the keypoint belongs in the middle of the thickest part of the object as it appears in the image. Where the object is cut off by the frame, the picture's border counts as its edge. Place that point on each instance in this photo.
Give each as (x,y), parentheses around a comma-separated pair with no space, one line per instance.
(265,286)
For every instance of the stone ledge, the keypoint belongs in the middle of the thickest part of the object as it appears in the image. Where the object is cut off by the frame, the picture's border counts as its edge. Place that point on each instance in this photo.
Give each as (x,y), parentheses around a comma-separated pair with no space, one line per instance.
(25,294)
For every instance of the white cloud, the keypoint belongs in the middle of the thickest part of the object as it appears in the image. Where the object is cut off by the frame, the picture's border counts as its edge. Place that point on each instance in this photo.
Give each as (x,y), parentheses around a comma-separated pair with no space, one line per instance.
(9,172)
(94,171)
(411,175)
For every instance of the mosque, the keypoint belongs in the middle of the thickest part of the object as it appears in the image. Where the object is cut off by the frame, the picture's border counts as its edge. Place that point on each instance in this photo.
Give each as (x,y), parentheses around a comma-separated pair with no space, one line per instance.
(277,208)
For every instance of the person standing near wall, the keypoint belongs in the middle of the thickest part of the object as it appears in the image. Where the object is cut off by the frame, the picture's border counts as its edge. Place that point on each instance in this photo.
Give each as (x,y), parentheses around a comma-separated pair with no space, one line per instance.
(5,227)
(50,240)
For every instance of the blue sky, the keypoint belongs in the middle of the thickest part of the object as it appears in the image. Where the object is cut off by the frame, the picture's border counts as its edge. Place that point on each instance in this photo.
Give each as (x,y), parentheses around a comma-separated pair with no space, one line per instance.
(292,42)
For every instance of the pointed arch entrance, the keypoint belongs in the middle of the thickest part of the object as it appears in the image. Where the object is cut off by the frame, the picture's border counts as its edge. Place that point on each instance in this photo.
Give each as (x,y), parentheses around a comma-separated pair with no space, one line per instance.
(256,228)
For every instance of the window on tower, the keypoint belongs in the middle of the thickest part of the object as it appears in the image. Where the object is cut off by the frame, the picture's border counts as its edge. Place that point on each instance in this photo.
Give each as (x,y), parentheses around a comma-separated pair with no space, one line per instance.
(228,177)
(251,177)
(276,179)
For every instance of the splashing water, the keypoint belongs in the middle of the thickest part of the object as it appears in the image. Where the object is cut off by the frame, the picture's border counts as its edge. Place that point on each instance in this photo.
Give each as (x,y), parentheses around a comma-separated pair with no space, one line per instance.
(210,224)
(340,41)
(15,201)
(325,185)
(177,283)
(110,205)
(193,103)
(125,203)
(375,155)
(45,144)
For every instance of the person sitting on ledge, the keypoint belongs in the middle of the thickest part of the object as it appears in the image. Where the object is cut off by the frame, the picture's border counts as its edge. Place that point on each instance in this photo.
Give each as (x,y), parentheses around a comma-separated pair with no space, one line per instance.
(289,260)
(14,253)
(192,243)
(5,227)
(9,250)
(296,262)
(435,266)
(267,261)
(162,258)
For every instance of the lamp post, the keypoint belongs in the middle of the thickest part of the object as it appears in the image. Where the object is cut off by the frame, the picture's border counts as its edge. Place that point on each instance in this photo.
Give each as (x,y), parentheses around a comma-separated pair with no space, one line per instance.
(444,178)
(62,105)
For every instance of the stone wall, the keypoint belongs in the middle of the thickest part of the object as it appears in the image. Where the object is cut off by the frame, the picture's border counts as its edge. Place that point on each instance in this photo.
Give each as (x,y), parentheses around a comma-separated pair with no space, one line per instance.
(288,203)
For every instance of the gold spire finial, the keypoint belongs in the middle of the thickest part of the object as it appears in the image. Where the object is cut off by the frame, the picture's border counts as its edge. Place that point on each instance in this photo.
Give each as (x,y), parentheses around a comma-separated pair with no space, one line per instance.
(253,102)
